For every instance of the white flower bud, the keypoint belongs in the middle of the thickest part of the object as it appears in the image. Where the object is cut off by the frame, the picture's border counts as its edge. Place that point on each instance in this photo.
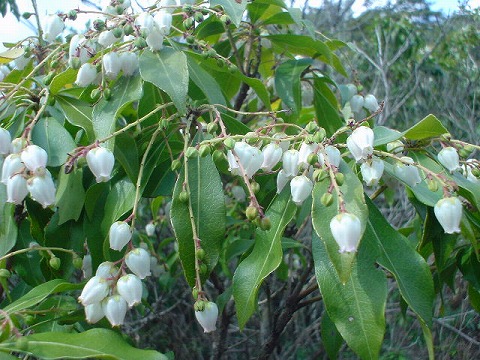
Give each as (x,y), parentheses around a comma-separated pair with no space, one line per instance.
(17,145)
(282,180)
(150,229)
(94,313)
(371,103)
(115,309)
(129,63)
(107,270)
(100,161)
(408,173)
(346,229)
(42,189)
(155,39)
(163,21)
(272,153)
(52,28)
(395,147)
(130,288)
(251,158)
(449,158)
(11,166)
(138,261)
(106,38)
(356,103)
(208,317)
(5,141)
(35,158)
(87,266)
(111,65)
(283,144)
(360,143)
(145,21)
(16,189)
(372,171)
(290,162)
(301,188)
(304,153)
(448,212)
(119,235)
(352,90)
(94,291)
(87,75)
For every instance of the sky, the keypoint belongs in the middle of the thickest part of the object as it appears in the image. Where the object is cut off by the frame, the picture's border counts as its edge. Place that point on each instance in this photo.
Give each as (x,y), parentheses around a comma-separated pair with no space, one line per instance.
(12,31)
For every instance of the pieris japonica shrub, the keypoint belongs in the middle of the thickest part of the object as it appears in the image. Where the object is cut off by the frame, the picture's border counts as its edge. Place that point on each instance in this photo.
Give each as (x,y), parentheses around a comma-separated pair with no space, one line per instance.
(184,121)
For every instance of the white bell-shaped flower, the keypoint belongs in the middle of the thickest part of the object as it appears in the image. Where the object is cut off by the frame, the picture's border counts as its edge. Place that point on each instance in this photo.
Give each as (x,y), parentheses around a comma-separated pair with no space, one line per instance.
(35,158)
(449,158)
(17,145)
(467,171)
(145,22)
(87,74)
(16,189)
(94,313)
(138,261)
(282,180)
(100,161)
(111,65)
(150,229)
(333,154)
(52,28)
(163,21)
(168,5)
(448,212)
(21,62)
(87,266)
(395,147)
(115,309)
(283,144)
(351,90)
(130,288)
(272,153)
(208,317)
(304,153)
(370,103)
(155,39)
(251,158)
(95,290)
(129,63)
(290,162)
(78,50)
(233,166)
(301,187)
(106,38)
(372,171)
(42,189)
(119,235)
(407,171)
(11,166)
(107,270)
(356,103)
(346,229)
(5,142)
(360,143)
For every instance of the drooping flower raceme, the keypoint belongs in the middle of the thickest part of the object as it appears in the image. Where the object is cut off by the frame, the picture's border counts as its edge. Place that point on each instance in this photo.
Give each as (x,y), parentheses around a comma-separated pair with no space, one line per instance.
(448,212)
(407,171)
(35,158)
(53,27)
(449,158)
(86,75)
(115,308)
(119,235)
(301,188)
(372,171)
(138,261)
(130,288)
(346,229)
(208,317)
(360,143)
(100,161)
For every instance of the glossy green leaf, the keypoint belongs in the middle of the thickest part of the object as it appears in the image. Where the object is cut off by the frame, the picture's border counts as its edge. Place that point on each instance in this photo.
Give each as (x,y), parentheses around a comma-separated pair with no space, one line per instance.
(352,190)
(233,9)
(27,264)
(126,154)
(70,195)
(67,77)
(120,200)
(426,128)
(50,135)
(265,257)
(287,82)
(384,135)
(167,69)
(357,307)
(77,113)
(331,338)
(94,343)
(301,45)
(126,90)
(151,98)
(10,55)
(207,201)
(8,228)
(205,82)
(326,106)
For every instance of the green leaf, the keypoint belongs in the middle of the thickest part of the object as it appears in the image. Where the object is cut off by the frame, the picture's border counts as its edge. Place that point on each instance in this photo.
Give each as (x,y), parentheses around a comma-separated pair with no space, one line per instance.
(233,9)
(331,338)
(205,82)
(10,55)
(410,270)
(168,70)
(64,78)
(426,128)
(70,195)
(384,135)
(94,343)
(126,154)
(8,229)
(301,45)
(287,82)
(120,200)
(207,201)
(27,264)
(50,135)
(39,293)
(265,257)
(126,90)
(326,106)
(357,307)
(352,190)
(77,113)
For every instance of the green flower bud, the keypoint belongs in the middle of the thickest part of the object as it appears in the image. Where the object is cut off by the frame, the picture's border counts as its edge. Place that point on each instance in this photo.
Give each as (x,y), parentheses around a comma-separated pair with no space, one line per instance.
(54,64)
(312,159)
(117,32)
(319,174)
(195,293)
(98,24)
(218,156)
(198,17)
(204,150)
(183,196)
(191,152)
(4,273)
(128,30)
(229,143)
(203,269)
(188,23)
(75,63)
(176,164)
(200,254)
(77,262)
(55,263)
(95,94)
(311,127)
(255,187)
(72,15)
(199,305)
(26,15)
(190,39)
(476,172)
(225,19)
(140,43)
(251,212)
(432,185)
(119,9)
(232,68)
(326,199)
(107,94)
(265,224)
(212,52)
(340,178)
(319,136)
(188,9)
(212,128)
